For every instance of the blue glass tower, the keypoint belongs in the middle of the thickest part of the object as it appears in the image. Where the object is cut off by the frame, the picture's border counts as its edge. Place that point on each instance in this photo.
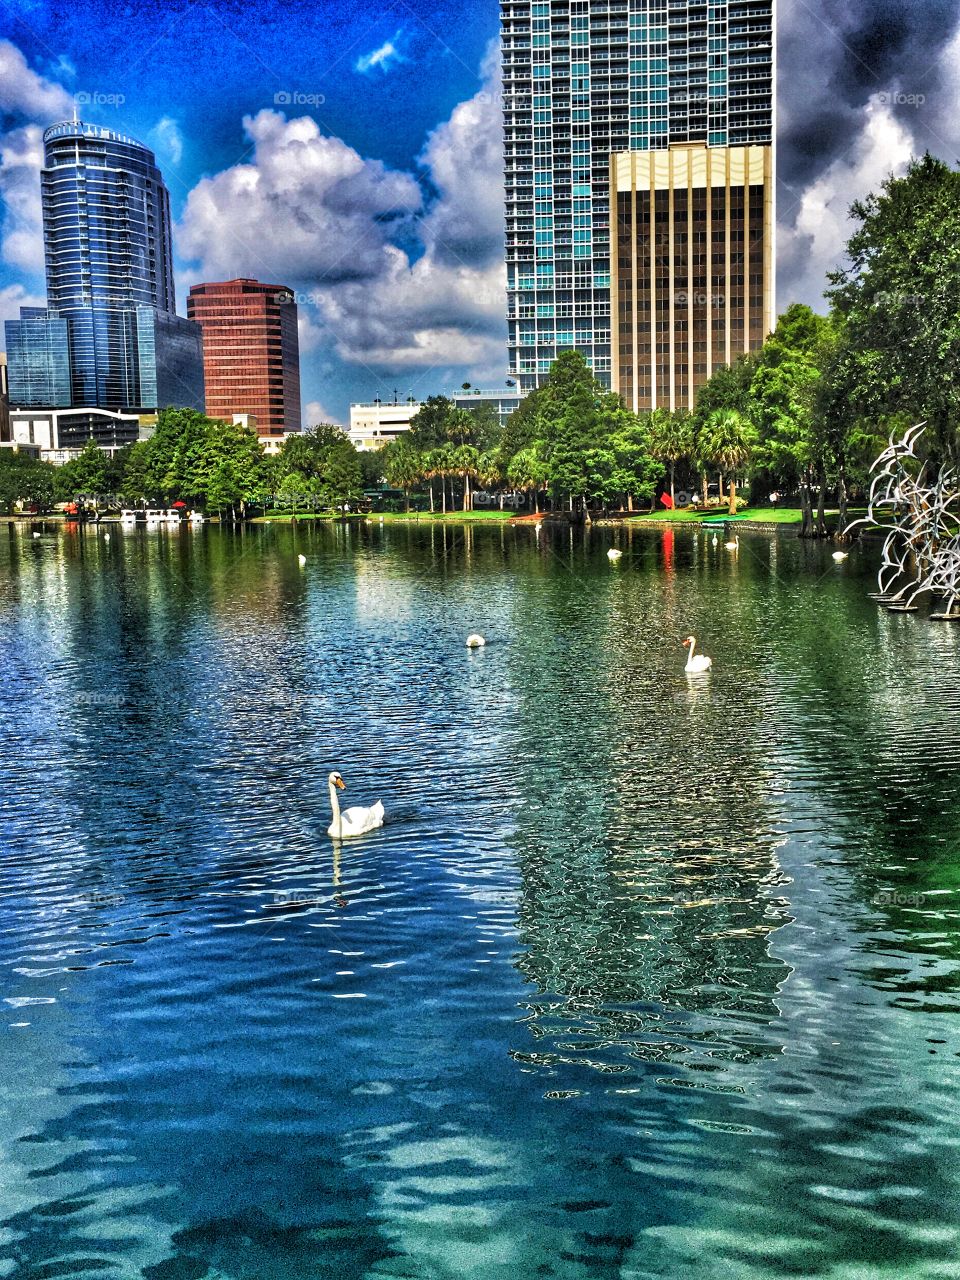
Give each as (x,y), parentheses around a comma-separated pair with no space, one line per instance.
(583,81)
(108,255)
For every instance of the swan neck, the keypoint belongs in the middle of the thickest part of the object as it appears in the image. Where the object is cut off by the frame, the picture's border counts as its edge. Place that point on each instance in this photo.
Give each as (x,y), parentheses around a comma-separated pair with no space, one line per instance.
(335,805)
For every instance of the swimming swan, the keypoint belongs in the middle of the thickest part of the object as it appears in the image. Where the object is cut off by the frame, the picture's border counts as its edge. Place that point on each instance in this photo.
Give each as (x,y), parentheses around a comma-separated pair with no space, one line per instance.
(352,822)
(698,663)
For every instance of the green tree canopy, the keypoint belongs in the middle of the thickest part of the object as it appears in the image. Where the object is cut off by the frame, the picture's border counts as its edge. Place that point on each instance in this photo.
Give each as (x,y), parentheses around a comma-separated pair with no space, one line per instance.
(898,304)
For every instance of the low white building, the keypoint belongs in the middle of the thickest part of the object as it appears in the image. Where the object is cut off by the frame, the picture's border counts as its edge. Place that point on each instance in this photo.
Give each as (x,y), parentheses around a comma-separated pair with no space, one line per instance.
(376,423)
(62,434)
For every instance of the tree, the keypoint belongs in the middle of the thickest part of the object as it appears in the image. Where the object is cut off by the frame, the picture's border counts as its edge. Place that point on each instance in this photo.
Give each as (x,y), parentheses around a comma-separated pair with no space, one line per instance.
(727,388)
(896,304)
(528,470)
(729,440)
(84,475)
(25,479)
(403,466)
(671,439)
(342,482)
(786,407)
(428,426)
(637,470)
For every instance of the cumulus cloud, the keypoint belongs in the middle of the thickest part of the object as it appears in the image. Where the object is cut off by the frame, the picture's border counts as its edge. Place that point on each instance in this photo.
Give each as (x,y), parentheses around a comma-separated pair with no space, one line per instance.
(12,298)
(818,225)
(314,414)
(25,93)
(863,85)
(384,275)
(306,209)
(21,158)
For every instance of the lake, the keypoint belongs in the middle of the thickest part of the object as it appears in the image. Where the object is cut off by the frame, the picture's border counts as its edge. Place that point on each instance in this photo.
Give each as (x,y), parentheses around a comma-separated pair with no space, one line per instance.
(646,975)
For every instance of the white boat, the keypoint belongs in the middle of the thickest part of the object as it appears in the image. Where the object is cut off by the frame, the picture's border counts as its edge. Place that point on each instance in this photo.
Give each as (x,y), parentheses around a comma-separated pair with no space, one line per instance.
(196,517)
(154,517)
(128,518)
(172,515)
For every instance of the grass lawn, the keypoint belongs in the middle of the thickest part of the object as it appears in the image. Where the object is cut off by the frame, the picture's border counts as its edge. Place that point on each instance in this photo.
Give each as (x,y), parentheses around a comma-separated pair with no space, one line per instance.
(457,517)
(764,515)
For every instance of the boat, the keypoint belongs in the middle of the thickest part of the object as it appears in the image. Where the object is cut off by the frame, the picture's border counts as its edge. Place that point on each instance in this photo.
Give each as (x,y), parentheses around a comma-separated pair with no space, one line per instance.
(129,518)
(172,515)
(154,516)
(196,517)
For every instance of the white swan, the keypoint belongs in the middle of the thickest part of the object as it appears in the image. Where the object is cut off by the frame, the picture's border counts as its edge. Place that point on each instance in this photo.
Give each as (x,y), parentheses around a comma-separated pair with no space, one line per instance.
(475,641)
(614,554)
(698,663)
(301,560)
(352,822)
(734,545)
(840,555)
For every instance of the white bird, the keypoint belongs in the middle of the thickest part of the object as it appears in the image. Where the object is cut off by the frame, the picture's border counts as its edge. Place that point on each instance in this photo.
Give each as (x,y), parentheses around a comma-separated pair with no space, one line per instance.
(840,555)
(734,545)
(352,822)
(301,560)
(475,641)
(614,554)
(699,663)
(36,535)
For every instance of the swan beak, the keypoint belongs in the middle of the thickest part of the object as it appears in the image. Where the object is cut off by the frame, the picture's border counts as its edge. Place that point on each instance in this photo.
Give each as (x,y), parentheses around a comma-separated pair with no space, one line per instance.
(339,782)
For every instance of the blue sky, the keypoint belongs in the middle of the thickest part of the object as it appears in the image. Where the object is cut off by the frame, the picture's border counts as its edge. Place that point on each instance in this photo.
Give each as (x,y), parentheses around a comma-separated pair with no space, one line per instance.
(352,152)
(375,80)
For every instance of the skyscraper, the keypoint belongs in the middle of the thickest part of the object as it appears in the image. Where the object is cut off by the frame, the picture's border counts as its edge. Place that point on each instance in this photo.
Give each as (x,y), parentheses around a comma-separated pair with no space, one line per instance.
(251,351)
(589,80)
(109,268)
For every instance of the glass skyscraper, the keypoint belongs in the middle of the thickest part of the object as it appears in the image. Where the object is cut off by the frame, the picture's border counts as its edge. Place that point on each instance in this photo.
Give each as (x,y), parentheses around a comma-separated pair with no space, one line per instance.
(585,81)
(109,268)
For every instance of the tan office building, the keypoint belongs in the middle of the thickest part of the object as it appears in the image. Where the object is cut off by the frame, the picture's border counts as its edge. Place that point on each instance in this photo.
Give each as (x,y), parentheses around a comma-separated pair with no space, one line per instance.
(692,267)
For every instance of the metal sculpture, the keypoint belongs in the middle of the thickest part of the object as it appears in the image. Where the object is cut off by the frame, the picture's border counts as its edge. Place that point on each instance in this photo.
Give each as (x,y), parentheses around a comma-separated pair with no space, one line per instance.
(921,517)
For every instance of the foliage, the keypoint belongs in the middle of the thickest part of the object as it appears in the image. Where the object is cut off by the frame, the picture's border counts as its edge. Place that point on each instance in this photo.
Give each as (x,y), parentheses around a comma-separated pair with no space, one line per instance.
(25,479)
(897,304)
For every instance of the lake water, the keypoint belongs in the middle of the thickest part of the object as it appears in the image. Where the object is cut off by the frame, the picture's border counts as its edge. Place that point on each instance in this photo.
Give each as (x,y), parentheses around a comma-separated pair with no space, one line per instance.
(645,976)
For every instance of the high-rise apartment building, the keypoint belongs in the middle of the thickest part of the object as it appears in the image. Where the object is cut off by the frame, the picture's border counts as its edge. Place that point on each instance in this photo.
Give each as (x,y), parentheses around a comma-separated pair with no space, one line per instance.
(109,269)
(251,351)
(586,83)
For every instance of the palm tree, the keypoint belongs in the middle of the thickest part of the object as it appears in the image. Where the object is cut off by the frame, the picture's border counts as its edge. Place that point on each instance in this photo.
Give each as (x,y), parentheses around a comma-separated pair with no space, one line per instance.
(403,467)
(671,439)
(727,441)
(528,471)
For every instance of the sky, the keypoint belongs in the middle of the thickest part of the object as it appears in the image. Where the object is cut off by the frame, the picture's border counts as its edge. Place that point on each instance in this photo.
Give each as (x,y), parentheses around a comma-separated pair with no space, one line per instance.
(352,153)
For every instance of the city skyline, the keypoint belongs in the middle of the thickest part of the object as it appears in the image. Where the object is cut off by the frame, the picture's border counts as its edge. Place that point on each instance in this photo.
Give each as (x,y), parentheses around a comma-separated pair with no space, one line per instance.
(390,187)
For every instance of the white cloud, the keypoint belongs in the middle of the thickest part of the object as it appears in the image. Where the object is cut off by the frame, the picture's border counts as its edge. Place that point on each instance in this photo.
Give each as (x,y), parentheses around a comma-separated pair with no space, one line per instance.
(12,298)
(167,139)
(384,58)
(21,157)
(812,241)
(24,93)
(314,414)
(306,209)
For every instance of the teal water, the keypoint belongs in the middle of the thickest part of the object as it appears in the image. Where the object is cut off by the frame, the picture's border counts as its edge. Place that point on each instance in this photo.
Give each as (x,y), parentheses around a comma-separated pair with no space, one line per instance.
(646,976)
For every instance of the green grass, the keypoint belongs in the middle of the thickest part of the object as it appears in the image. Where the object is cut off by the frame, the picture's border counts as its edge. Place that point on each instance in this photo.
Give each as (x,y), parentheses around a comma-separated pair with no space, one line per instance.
(763,515)
(427,517)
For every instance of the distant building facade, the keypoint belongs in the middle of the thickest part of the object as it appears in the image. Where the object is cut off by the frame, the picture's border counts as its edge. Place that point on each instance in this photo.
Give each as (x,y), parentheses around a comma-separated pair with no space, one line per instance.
(58,435)
(251,352)
(376,423)
(110,327)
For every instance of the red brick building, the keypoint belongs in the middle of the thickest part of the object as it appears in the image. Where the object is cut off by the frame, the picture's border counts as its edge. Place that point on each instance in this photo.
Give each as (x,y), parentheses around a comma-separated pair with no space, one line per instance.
(251,352)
